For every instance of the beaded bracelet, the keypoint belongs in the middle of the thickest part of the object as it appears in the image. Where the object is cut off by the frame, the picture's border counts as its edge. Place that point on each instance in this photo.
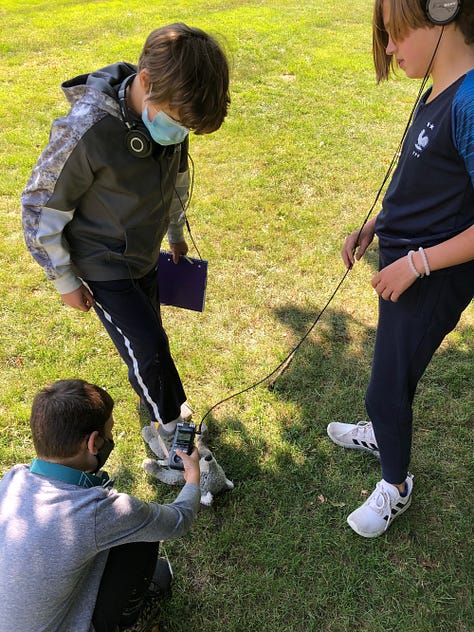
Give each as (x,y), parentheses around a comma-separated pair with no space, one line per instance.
(425,261)
(412,265)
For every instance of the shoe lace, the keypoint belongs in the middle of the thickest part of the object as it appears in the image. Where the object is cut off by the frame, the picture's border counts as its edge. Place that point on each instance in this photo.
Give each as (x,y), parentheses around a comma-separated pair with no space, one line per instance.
(380,501)
(361,430)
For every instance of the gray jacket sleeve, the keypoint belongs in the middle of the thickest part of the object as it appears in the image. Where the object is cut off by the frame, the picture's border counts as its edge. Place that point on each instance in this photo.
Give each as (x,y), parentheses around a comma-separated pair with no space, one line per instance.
(177,209)
(180,197)
(57,183)
(121,518)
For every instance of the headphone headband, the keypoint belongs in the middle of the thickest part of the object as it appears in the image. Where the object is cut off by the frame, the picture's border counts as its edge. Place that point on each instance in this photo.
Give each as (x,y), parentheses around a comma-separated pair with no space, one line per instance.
(442,12)
(122,95)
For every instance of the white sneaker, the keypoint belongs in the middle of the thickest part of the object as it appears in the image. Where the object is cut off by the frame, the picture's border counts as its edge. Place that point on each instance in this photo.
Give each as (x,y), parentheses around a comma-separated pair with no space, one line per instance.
(380,509)
(358,436)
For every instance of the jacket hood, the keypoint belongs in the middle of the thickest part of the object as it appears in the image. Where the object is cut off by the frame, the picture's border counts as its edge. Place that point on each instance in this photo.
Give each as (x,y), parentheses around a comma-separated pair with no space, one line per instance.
(99,87)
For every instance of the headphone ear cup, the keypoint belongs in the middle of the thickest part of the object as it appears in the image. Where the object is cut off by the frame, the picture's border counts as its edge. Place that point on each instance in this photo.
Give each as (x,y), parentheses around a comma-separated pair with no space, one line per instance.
(441,12)
(138,143)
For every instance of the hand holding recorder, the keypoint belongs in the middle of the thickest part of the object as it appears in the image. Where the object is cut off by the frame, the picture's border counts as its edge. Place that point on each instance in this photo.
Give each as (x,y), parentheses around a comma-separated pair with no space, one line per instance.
(192,473)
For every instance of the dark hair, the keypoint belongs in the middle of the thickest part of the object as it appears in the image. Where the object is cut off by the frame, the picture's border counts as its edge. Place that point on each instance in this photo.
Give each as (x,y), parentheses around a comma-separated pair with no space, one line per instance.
(63,414)
(406,15)
(188,70)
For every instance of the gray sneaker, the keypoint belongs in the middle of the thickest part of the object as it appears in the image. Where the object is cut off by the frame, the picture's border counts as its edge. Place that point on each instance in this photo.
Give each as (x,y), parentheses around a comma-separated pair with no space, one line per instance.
(165,438)
(359,436)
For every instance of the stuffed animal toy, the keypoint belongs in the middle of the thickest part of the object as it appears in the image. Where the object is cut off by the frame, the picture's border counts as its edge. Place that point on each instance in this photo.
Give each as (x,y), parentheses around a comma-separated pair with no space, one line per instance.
(213,478)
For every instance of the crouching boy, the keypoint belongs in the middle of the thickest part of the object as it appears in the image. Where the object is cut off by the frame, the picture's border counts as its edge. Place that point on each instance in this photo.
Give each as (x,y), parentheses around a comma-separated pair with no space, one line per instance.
(76,555)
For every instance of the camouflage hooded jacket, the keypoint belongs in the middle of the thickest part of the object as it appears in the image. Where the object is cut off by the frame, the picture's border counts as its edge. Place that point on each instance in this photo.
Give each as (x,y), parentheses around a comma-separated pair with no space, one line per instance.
(91,209)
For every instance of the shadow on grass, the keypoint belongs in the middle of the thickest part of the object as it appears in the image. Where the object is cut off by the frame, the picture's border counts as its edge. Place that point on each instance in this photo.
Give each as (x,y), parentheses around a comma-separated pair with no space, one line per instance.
(330,370)
(332,367)
(277,545)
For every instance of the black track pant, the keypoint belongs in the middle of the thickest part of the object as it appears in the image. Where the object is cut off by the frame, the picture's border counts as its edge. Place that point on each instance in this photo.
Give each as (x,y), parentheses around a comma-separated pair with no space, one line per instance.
(408,334)
(130,312)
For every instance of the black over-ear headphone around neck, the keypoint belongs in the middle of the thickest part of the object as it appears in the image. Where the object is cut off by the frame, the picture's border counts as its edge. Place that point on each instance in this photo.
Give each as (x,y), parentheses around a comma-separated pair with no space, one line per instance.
(138,140)
(442,12)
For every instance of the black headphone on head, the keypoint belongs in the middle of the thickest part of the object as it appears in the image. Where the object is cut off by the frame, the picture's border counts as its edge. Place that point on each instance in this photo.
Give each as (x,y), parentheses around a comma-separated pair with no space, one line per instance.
(442,12)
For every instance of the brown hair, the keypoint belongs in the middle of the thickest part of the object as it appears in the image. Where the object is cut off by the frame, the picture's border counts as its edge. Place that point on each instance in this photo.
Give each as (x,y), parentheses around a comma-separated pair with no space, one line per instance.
(188,69)
(404,16)
(63,414)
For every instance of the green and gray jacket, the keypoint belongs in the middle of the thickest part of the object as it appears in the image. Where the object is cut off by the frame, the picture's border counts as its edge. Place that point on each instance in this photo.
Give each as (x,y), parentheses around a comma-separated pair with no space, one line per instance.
(91,209)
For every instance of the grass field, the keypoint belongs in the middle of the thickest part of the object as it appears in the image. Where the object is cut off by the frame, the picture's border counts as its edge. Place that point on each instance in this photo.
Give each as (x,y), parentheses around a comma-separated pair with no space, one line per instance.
(294,168)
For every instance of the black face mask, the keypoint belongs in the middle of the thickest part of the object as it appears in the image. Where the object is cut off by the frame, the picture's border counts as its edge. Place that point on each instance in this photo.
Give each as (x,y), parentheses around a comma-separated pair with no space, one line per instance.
(104,452)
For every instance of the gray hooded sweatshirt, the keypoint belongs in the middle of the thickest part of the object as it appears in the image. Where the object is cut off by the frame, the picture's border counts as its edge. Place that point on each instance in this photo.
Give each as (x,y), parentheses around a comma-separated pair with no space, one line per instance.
(55,538)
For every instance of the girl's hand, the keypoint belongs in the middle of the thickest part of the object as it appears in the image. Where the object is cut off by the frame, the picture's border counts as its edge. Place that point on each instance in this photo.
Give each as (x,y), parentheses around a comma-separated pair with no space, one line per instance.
(392,281)
(358,240)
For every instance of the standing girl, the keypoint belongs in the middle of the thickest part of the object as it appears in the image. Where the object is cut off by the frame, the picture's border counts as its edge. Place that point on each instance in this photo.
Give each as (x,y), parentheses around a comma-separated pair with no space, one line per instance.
(426,236)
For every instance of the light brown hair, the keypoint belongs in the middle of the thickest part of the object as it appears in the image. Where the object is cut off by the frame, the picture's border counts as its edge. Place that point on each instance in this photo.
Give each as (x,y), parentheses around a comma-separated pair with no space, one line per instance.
(406,15)
(189,71)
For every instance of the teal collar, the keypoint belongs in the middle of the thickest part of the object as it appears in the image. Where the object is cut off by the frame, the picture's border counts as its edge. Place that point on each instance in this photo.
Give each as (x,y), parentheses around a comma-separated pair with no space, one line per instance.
(69,474)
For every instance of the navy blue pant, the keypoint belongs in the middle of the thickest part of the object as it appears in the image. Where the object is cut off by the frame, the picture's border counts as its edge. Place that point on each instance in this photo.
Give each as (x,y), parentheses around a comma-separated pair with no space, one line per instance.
(130,312)
(408,334)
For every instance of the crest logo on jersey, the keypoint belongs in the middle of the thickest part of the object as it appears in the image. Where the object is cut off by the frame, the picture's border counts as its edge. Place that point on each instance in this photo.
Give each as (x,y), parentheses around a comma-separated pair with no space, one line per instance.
(423,140)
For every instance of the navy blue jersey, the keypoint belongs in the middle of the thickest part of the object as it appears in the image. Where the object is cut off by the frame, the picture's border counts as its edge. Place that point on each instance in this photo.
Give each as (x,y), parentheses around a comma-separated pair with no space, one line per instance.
(431,196)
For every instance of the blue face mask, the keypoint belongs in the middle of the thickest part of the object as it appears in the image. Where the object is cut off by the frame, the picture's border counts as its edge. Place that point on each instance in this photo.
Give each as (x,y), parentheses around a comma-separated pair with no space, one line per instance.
(163,129)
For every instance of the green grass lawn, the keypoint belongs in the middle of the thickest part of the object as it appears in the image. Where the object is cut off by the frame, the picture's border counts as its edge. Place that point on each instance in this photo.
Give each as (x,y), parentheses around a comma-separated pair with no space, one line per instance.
(294,168)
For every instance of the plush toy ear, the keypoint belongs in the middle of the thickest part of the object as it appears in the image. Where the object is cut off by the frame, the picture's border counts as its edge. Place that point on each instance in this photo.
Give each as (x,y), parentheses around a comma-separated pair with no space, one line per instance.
(201,440)
(162,473)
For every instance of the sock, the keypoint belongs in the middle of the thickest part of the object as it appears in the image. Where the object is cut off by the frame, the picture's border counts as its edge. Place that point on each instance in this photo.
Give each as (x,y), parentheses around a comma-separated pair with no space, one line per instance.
(170,427)
(404,493)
